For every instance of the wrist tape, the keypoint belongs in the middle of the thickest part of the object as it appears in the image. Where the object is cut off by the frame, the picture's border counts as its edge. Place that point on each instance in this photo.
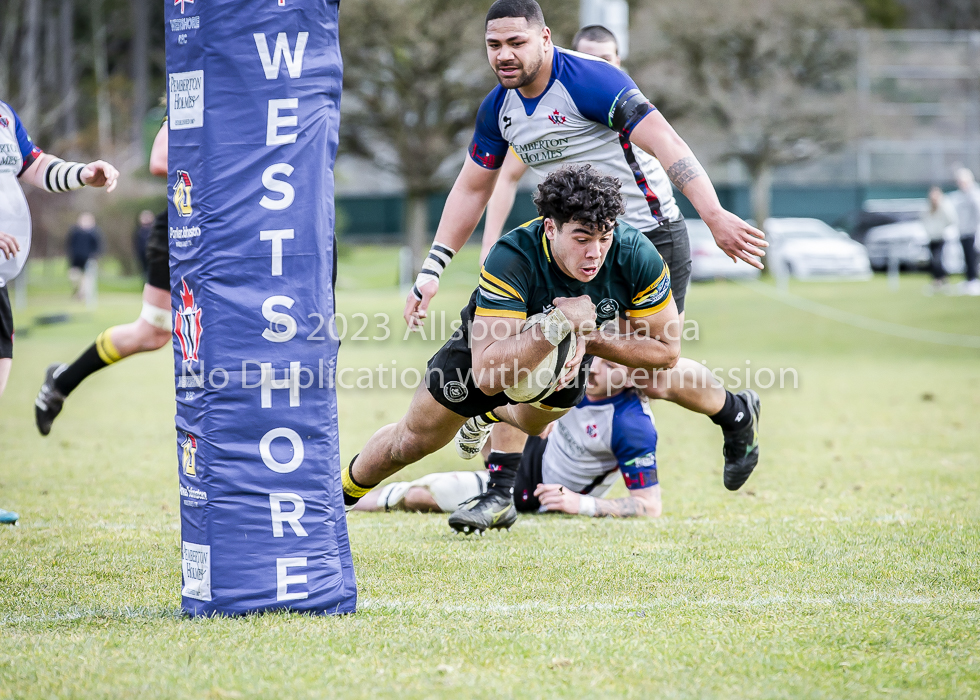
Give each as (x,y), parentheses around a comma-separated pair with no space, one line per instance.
(62,176)
(435,262)
(555,327)
(586,506)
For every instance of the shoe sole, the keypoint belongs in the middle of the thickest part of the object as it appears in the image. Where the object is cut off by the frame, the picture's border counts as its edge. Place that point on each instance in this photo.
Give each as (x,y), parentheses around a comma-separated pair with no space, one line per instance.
(472,528)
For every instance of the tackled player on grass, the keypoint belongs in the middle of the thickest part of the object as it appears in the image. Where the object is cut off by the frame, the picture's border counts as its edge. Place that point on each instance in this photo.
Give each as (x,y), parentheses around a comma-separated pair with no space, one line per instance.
(585,273)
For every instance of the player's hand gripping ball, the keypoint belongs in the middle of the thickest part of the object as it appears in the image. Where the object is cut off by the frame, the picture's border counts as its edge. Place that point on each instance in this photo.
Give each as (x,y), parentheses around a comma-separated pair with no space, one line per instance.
(542,380)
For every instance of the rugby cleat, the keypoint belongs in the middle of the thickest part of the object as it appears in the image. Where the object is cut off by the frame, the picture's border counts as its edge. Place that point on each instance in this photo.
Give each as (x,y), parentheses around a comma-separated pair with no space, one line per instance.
(471,438)
(8,517)
(488,511)
(742,446)
(49,401)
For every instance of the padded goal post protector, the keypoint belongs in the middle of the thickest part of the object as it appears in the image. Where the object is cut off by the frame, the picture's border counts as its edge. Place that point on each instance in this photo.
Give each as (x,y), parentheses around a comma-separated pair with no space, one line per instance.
(253,93)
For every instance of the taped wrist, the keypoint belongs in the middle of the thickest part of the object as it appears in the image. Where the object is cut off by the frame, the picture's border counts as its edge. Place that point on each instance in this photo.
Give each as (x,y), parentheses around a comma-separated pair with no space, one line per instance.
(555,327)
(432,268)
(586,506)
(63,176)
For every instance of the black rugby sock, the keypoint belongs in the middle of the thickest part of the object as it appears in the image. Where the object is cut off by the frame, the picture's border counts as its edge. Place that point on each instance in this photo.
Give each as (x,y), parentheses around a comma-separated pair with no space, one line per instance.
(735,414)
(503,468)
(99,354)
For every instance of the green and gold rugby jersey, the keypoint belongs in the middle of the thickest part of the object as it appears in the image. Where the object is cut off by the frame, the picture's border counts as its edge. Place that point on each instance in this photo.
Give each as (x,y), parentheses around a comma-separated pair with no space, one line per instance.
(521,278)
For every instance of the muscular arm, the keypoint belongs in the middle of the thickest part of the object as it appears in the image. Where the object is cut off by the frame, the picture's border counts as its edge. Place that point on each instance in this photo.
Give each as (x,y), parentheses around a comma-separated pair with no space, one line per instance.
(501,202)
(96,174)
(640,342)
(498,347)
(465,204)
(464,207)
(658,138)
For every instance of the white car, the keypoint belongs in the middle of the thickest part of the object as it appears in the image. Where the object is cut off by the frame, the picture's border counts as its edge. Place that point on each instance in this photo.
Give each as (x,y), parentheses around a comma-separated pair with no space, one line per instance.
(910,243)
(809,248)
(709,262)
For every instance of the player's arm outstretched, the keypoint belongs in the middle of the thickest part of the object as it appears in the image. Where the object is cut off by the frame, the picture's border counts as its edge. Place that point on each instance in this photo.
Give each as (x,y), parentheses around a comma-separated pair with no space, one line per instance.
(464,207)
(53,174)
(501,202)
(641,503)
(739,240)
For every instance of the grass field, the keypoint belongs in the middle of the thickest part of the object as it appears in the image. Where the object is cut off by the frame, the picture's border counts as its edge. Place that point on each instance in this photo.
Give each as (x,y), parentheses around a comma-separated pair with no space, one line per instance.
(847,567)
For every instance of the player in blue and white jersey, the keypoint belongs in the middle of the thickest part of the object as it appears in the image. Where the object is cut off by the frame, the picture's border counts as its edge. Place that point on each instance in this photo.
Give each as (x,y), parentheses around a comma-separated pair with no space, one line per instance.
(555,107)
(610,433)
(21,160)
(151,330)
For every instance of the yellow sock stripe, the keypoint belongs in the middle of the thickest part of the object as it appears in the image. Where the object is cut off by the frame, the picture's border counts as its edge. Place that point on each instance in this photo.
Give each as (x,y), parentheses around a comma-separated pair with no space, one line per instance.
(489,417)
(107,351)
(350,488)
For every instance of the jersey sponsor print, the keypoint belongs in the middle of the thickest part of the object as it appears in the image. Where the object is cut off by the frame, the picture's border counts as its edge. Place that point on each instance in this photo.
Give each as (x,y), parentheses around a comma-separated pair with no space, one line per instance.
(586,115)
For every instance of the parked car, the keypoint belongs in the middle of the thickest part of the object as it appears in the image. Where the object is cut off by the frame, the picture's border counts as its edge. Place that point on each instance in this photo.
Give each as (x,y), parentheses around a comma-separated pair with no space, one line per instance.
(910,243)
(809,248)
(878,212)
(709,261)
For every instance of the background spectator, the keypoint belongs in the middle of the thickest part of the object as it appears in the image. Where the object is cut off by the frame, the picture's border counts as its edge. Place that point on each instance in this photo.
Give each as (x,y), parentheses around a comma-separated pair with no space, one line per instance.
(937,220)
(83,245)
(968,213)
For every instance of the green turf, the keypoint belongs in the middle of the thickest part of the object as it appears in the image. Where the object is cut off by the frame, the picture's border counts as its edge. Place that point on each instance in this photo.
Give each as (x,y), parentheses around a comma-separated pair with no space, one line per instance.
(846,567)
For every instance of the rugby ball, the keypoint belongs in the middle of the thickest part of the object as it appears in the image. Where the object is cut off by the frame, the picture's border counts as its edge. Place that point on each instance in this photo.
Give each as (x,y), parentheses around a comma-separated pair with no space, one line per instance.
(536,384)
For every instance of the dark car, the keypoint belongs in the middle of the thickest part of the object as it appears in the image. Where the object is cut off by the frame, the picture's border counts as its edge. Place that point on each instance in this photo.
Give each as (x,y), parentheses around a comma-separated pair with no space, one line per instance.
(878,212)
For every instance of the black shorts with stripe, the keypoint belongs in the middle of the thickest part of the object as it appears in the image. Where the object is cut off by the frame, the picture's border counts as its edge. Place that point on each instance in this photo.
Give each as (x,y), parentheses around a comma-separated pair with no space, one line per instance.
(674,245)
(449,378)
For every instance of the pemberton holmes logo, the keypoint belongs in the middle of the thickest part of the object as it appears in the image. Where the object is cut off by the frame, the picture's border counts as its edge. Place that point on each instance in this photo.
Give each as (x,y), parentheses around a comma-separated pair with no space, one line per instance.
(185,100)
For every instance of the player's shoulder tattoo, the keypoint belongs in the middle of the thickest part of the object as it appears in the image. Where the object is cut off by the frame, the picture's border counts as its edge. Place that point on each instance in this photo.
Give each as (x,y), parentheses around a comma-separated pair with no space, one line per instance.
(684,170)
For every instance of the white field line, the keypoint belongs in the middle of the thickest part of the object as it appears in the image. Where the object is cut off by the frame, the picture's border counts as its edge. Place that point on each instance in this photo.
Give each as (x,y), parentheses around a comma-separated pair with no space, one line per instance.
(863,322)
(390,605)
(663,603)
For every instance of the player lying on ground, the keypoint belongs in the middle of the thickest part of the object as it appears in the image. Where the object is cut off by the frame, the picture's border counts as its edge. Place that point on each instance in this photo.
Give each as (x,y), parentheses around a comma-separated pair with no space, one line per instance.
(610,432)
(553,107)
(21,160)
(576,266)
(151,331)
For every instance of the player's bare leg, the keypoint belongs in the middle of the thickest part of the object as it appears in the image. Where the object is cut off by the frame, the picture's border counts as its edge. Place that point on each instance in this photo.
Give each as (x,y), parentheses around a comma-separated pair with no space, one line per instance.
(426,427)
(691,385)
(149,332)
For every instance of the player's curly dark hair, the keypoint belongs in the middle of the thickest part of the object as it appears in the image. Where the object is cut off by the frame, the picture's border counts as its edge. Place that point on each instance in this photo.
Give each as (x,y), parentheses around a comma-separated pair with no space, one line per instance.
(580,193)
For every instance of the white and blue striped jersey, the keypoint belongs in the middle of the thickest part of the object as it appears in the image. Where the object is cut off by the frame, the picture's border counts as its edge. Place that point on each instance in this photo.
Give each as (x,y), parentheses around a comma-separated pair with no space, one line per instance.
(597,440)
(585,115)
(17,153)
